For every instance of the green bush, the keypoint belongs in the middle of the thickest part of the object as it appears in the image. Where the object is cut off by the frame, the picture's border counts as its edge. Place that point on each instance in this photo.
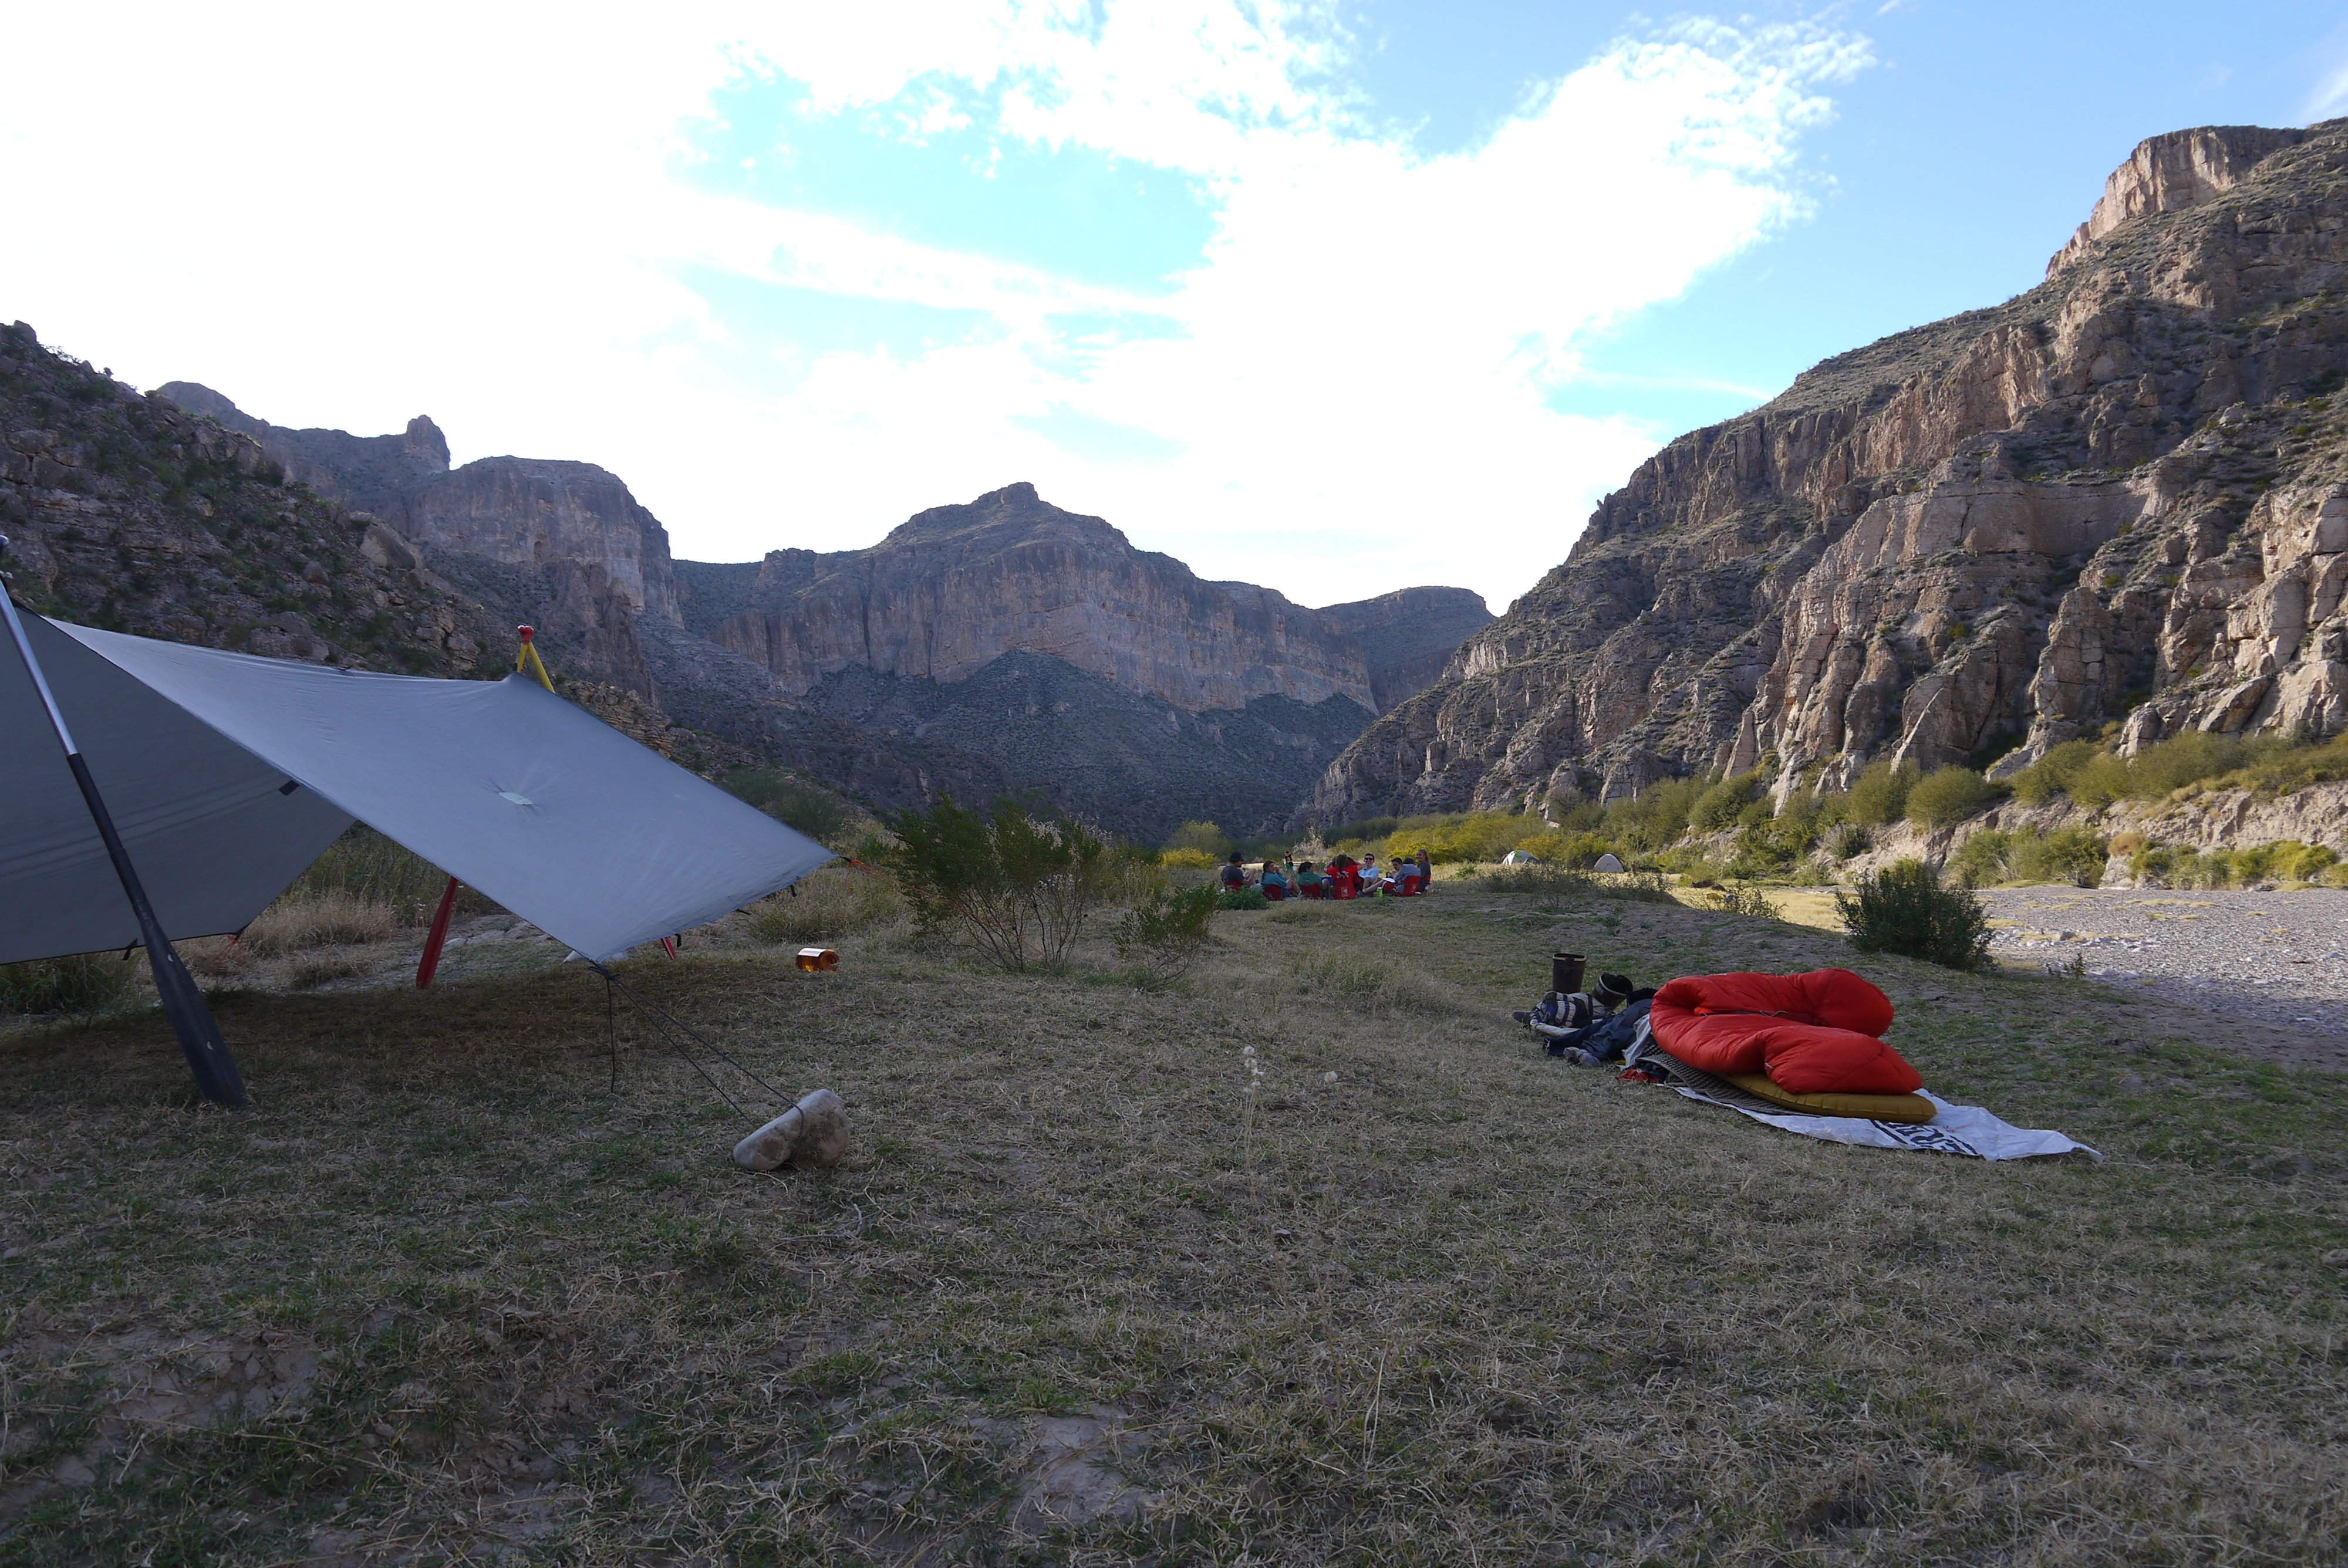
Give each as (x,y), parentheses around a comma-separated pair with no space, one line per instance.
(2285,860)
(1879,797)
(1948,795)
(1723,802)
(1242,898)
(2073,855)
(84,982)
(2186,758)
(1656,817)
(1189,859)
(1851,840)
(1204,838)
(1165,930)
(1774,845)
(794,802)
(2052,774)
(1461,836)
(1904,909)
(1018,888)
(1744,898)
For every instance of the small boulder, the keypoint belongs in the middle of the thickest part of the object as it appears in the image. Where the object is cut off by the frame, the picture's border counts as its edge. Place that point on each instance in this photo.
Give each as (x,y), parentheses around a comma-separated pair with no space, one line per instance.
(812,1133)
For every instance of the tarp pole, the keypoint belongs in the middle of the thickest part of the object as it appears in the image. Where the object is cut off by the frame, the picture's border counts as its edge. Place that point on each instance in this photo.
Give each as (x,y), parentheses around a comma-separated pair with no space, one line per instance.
(527,662)
(437,936)
(208,1062)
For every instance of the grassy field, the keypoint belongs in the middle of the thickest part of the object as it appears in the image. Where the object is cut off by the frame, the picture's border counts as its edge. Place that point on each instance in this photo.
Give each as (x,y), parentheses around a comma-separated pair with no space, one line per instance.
(444,1295)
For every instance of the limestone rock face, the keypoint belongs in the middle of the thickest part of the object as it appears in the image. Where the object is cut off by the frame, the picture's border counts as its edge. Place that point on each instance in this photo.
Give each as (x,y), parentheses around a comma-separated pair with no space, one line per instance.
(562,546)
(955,587)
(2118,501)
(125,512)
(2165,173)
(526,511)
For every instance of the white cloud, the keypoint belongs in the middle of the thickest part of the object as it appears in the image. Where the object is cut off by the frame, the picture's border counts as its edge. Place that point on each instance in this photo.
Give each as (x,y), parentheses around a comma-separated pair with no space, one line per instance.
(478,212)
(2331,94)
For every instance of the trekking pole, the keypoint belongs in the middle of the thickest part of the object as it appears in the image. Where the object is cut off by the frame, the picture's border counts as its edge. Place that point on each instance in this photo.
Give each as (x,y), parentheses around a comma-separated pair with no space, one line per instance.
(208,1062)
(526,662)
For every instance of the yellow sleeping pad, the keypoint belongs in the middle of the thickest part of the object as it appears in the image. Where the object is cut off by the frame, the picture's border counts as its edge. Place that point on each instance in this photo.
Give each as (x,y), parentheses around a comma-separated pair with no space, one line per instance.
(1866,1107)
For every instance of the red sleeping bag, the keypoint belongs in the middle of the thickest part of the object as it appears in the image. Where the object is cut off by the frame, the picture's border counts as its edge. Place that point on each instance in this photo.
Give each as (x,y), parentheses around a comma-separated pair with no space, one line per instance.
(1819,1034)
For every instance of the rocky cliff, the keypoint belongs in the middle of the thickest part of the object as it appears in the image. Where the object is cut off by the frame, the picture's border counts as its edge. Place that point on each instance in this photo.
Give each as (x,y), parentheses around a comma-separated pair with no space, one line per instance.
(559,546)
(127,513)
(2118,501)
(955,587)
(1001,645)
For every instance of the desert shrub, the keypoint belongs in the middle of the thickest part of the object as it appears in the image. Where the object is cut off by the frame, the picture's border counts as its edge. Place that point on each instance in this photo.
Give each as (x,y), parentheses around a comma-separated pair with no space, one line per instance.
(794,802)
(2284,860)
(1948,795)
(2186,759)
(1903,908)
(84,982)
(1772,843)
(1744,898)
(1019,889)
(2052,774)
(824,905)
(1189,859)
(2273,767)
(329,920)
(2072,855)
(1166,930)
(1242,898)
(364,866)
(1461,836)
(1582,817)
(1196,838)
(1851,840)
(1656,817)
(1879,797)
(1578,851)
(2292,861)
(2125,844)
(1720,805)
(2098,782)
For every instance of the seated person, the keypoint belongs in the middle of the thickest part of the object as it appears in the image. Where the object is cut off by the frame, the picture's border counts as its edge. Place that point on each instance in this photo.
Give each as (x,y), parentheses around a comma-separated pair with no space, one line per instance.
(1407,882)
(1234,874)
(1308,880)
(1273,882)
(1344,878)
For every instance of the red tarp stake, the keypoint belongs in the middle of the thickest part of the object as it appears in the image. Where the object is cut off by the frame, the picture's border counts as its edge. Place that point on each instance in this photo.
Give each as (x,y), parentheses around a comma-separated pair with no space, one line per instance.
(431,960)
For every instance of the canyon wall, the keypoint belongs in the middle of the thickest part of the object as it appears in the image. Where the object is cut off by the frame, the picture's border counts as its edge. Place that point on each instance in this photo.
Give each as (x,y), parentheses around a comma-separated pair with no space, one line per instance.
(2118,502)
(955,587)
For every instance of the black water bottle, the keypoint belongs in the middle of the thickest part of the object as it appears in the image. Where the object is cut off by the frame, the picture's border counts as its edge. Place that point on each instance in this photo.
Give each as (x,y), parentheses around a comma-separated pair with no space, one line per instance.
(1565,973)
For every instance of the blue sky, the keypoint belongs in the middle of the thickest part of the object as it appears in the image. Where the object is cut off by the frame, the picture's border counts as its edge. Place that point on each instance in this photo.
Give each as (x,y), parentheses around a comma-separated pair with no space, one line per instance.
(1335,297)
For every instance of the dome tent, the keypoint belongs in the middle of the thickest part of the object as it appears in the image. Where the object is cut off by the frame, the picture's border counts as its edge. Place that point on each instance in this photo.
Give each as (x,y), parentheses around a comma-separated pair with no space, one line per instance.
(226,774)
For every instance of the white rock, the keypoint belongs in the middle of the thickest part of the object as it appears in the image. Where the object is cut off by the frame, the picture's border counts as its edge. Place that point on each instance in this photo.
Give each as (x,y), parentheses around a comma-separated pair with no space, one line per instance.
(813,1132)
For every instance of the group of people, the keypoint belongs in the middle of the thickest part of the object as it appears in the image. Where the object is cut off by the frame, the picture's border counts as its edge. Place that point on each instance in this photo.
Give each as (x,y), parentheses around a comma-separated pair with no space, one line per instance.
(1343,877)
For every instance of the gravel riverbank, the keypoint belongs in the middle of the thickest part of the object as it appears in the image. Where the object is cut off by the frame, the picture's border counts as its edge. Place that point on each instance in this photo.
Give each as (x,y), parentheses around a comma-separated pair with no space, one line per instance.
(2281,958)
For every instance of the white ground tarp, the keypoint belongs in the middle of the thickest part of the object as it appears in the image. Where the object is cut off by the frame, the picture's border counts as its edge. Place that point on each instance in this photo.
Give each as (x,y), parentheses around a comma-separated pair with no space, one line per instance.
(227,774)
(1956,1129)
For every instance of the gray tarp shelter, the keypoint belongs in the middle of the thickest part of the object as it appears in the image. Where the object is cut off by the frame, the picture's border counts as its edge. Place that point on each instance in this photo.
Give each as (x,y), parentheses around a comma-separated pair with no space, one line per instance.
(227,774)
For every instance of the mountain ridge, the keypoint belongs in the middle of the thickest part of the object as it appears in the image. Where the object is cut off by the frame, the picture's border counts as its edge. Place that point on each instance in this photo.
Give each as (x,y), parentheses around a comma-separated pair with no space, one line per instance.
(2099,503)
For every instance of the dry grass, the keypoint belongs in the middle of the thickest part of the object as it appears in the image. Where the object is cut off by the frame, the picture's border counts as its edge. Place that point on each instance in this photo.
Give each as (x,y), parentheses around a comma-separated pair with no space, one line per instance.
(825,905)
(327,920)
(442,1297)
